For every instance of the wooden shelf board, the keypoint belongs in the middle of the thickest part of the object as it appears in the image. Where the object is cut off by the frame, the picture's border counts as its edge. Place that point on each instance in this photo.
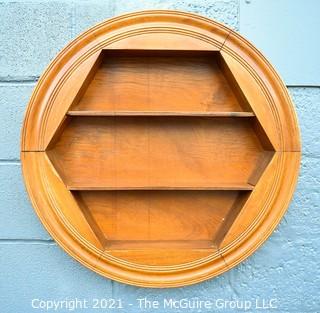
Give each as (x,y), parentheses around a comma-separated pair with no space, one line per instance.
(231,186)
(160,113)
(158,244)
(170,255)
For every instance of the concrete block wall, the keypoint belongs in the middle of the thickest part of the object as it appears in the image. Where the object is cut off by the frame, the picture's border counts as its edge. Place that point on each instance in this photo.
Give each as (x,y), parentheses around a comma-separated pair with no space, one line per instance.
(32,266)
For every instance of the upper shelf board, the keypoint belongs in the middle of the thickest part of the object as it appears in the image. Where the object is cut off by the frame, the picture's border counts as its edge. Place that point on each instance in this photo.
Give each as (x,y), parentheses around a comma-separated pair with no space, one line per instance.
(160,113)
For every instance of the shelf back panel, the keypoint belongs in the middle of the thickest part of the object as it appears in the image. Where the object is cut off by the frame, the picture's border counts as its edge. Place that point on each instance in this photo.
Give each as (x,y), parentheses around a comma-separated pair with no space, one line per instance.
(157,152)
(151,220)
(158,81)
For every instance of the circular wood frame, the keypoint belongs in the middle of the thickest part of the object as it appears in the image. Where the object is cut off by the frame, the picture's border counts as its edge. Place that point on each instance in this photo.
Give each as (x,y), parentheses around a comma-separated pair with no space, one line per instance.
(263,89)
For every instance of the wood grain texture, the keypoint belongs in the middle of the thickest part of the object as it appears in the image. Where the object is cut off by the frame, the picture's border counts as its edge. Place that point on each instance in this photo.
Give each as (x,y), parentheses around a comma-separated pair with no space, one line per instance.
(129,81)
(160,149)
(158,152)
(142,220)
(170,256)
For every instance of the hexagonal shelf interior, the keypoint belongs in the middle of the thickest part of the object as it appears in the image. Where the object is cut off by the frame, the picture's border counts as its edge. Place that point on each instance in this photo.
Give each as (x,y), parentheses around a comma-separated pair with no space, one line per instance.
(161,150)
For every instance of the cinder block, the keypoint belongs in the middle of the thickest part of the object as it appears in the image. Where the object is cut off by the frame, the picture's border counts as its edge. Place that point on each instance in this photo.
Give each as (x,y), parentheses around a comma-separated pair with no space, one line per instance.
(301,223)
(307,102)
(31,35)
(17,217)
(13,104)
(88,13)
(224,11)
(45,272)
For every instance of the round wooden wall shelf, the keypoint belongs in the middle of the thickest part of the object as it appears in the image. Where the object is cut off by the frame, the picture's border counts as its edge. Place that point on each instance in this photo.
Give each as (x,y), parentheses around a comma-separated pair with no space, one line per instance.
(160,148)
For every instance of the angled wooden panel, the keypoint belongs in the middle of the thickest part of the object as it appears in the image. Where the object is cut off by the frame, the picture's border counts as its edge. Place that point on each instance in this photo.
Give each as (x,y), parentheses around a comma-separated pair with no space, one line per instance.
(260,83)
(41,122)
(253,97)
(36,166)
(253,226)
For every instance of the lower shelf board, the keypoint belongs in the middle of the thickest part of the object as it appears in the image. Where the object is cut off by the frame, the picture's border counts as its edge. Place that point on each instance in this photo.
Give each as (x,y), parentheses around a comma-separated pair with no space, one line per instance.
(161,257)
(158,244)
